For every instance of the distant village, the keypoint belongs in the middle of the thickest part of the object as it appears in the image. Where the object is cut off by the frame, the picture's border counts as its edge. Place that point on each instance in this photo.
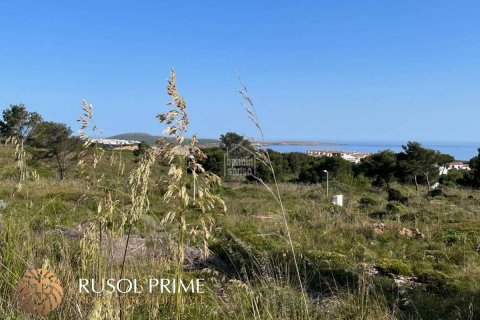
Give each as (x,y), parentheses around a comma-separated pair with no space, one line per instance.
(350,156)
(356,157)
(117,144)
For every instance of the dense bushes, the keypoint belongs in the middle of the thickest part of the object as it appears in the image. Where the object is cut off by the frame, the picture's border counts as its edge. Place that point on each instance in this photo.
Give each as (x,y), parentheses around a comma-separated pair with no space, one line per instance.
(338,169)
(395,195)
(367,201)
(289,167)
(414,165)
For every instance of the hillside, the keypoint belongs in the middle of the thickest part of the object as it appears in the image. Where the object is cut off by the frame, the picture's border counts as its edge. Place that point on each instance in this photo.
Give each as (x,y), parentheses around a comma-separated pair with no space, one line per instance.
(151,139)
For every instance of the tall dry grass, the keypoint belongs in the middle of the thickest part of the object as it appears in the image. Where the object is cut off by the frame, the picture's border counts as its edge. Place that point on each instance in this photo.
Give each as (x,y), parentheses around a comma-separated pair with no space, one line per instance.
(263,155)
(186,172)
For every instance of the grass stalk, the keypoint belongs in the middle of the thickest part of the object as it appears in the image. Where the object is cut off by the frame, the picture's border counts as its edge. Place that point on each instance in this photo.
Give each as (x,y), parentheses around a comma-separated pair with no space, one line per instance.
(252,114)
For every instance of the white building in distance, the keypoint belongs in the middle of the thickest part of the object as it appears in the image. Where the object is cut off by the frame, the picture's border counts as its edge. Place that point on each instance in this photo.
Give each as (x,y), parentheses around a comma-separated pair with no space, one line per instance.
(116,143)
(456,165)
(350,156)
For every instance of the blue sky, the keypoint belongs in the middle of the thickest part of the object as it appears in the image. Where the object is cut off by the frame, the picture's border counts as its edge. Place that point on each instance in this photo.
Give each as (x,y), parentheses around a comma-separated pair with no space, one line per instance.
(318,70)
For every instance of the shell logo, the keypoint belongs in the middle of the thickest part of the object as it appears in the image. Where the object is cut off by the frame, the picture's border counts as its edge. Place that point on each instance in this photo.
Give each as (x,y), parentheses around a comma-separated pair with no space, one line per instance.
(39,291)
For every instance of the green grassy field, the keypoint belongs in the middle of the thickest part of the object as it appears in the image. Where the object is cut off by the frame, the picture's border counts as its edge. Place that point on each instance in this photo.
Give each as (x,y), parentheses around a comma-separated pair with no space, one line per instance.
(371,259)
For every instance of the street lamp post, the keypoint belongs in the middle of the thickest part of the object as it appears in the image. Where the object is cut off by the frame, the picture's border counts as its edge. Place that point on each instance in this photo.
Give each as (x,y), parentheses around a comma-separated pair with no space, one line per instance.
(327,180)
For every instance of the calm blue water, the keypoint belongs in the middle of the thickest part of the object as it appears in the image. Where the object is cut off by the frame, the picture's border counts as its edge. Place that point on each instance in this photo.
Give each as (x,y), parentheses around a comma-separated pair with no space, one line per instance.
(460,150)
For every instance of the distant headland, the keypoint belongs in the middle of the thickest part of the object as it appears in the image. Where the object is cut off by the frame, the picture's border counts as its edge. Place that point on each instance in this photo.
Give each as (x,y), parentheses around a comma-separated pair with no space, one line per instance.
(294,143)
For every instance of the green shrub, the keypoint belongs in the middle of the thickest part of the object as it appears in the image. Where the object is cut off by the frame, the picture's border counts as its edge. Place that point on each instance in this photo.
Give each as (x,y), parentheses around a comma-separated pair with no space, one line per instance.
(453,177)
(408,217)
(381,215)
(451,237)
(436,193)
(436,282)
(393,207)
(394,266)
(367,201)
(396,195)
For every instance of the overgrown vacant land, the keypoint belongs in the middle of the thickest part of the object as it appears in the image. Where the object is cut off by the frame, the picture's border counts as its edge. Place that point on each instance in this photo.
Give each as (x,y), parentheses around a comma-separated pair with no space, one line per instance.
(372,259)
(269,246)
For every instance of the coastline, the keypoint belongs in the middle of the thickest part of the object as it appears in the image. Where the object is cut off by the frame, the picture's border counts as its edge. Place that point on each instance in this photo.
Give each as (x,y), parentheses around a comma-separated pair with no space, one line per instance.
(296,143)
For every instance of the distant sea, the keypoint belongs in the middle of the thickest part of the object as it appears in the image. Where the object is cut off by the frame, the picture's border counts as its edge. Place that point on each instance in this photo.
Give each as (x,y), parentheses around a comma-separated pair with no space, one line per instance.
(463,151)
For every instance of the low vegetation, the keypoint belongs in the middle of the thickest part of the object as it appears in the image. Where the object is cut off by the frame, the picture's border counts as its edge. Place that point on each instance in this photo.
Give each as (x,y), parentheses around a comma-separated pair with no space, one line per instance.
(281,250)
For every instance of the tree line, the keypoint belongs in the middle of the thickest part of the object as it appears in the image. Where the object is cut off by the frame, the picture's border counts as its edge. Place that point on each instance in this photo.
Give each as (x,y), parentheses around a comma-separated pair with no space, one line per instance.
(45,140)
(414,165)
(54,141)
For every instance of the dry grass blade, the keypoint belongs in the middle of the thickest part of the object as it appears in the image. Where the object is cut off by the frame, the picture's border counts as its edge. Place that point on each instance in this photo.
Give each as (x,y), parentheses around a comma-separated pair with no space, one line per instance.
(252,115)
(186,172)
